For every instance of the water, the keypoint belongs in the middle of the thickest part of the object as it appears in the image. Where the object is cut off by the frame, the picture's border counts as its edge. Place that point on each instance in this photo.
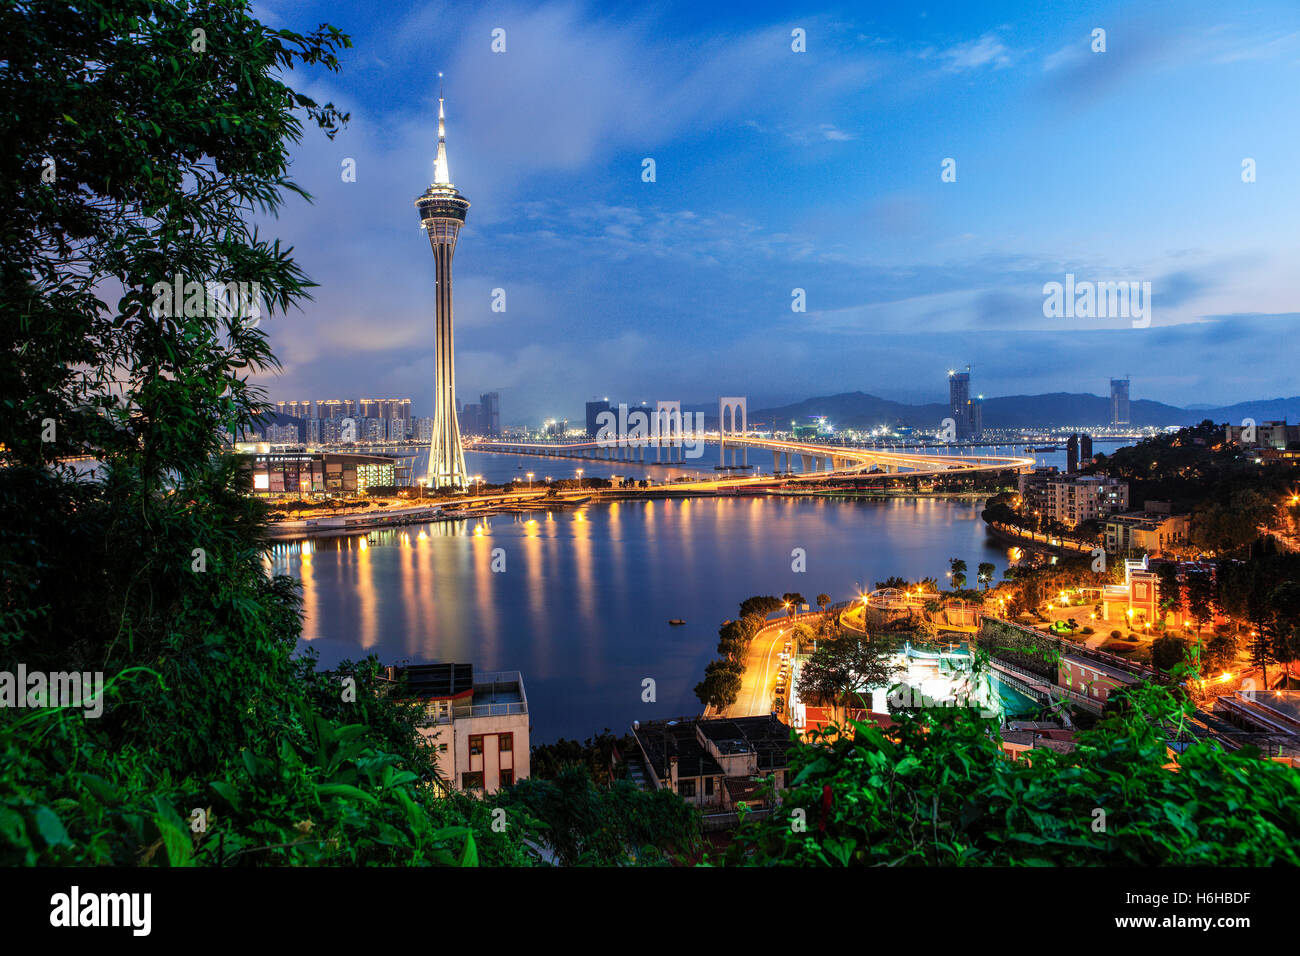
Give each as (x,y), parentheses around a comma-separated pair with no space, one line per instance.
(583,606)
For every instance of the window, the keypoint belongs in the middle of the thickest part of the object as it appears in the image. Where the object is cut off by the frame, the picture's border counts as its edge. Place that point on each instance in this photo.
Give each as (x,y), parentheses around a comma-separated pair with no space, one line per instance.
(476,745)
(442,748)
(471,781)
(687,788)
(506,743)
(507,777)
(708,786)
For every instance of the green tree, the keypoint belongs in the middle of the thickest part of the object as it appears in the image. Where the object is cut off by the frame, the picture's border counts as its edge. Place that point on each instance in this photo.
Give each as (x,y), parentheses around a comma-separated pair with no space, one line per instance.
(1167,652)
(985,573)
(721,684)
(844,667)
(759,606)
(1282,627)
(1169,588)
(957,573)
(1200,599)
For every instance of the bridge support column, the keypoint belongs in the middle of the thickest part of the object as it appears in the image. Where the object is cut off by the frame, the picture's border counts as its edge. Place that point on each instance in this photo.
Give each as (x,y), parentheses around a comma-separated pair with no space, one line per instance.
(805,463)
(776,462)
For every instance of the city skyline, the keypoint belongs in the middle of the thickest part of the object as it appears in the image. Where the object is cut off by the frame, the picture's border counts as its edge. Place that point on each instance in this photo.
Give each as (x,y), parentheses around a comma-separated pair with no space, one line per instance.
(662,286)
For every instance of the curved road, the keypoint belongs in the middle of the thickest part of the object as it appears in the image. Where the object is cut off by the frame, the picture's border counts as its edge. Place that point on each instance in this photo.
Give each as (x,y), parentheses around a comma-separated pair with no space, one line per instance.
(762,663)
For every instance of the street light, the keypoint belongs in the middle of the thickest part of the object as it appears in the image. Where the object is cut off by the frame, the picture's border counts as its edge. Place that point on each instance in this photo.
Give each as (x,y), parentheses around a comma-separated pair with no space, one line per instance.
(530,480)
(579,477)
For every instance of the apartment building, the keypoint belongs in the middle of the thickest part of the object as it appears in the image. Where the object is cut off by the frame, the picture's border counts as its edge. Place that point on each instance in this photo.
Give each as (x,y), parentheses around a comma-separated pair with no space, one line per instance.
(1146,530)
(1071,499)
(477,724)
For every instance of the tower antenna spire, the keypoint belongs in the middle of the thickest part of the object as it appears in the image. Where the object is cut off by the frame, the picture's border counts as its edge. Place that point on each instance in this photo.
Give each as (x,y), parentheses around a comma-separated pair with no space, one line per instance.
(441,173)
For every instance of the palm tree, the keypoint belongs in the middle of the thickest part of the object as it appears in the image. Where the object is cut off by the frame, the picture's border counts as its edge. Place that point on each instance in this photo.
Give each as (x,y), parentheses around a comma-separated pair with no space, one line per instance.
(958,573)
(985,573)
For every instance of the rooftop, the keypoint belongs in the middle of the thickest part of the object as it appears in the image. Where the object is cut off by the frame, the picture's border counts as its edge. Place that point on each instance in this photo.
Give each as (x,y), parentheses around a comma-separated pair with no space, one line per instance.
(662,740)
(434,681)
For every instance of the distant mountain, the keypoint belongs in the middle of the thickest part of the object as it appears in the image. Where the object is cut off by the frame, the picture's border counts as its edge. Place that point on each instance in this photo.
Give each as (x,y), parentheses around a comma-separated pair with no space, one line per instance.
(1263,410)
(1055,409)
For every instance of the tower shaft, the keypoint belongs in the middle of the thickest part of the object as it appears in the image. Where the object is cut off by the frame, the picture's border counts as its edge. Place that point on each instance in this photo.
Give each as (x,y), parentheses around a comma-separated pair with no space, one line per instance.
(446,458)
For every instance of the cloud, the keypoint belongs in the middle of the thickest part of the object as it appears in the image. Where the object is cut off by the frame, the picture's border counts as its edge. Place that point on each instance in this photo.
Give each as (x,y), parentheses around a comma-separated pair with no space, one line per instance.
(988,50)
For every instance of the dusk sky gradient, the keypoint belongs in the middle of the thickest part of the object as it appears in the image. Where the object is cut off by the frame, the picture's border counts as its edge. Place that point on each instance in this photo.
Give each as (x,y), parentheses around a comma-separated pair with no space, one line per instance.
(817,170)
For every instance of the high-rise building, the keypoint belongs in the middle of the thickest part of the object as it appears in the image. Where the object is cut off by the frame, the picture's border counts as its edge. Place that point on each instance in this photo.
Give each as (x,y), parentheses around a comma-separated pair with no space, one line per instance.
(1119,413)
(491,404)
(1085,449)
(1072,454)
(593,413)
(471,419)
(967,412)
(442,213)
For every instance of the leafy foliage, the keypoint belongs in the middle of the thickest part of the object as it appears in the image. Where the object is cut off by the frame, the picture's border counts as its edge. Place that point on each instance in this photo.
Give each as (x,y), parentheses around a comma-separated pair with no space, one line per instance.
(215,745)
(589,826)
(937,790)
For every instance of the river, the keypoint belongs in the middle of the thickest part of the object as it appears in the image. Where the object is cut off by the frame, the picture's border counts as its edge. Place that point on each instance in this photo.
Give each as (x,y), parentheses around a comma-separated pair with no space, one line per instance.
(582,606)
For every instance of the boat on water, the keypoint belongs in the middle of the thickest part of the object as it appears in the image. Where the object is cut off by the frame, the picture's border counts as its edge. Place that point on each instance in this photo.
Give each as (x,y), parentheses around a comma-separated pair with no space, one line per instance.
(677,622)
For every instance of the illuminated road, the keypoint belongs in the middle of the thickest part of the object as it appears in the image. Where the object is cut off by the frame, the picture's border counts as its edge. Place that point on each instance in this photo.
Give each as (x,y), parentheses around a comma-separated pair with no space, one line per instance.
(762,664)
(845,462)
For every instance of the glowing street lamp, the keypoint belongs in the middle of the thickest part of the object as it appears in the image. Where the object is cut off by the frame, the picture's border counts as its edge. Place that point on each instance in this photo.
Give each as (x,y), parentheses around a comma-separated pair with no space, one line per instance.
(530,480)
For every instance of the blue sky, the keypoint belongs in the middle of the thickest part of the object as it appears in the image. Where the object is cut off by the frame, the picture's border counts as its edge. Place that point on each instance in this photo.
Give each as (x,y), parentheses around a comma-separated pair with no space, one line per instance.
(818,170)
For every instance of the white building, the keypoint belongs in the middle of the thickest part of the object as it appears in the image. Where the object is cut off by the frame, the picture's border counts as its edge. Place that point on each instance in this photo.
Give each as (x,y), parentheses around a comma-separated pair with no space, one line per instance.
(476,723)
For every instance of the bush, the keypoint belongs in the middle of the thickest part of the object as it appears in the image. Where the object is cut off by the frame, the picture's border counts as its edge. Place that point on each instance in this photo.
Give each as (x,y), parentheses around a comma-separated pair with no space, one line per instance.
(861,793)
